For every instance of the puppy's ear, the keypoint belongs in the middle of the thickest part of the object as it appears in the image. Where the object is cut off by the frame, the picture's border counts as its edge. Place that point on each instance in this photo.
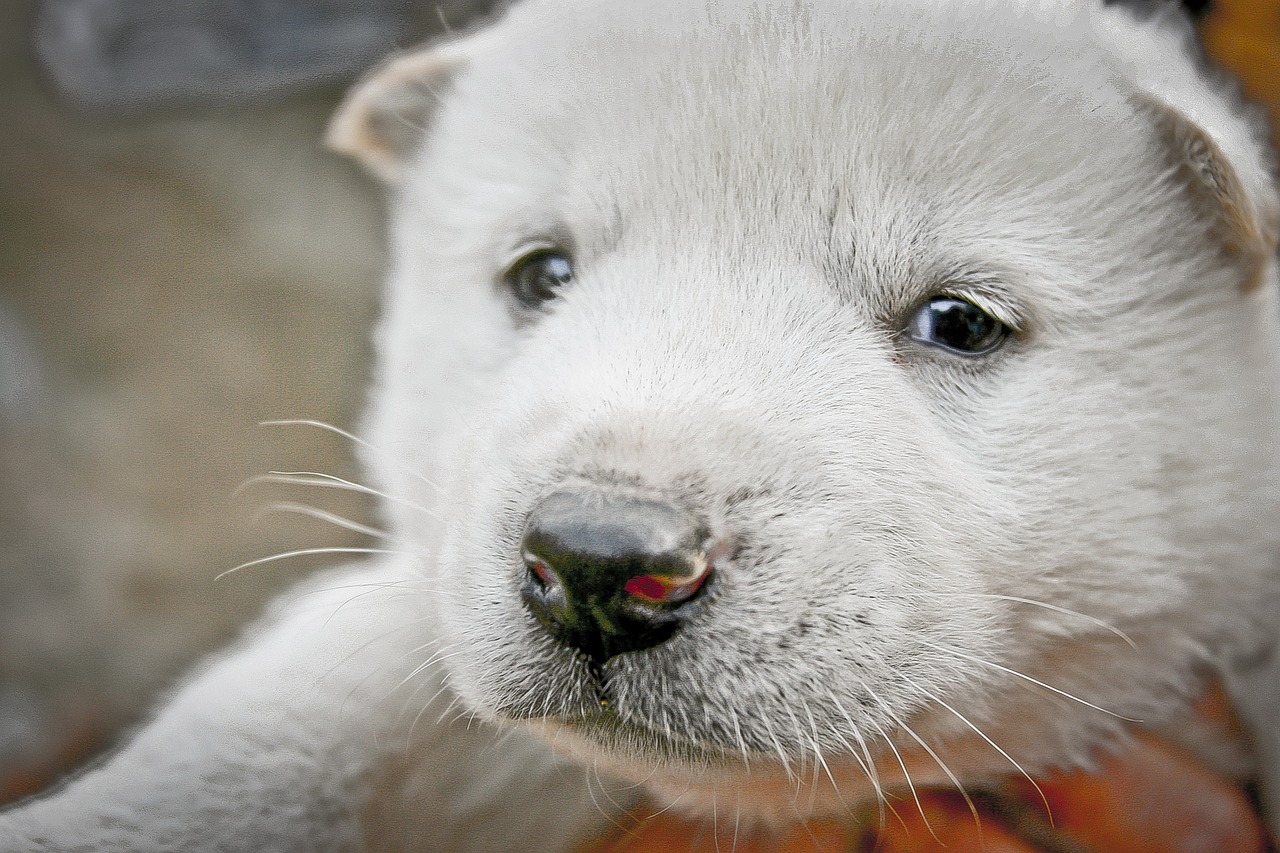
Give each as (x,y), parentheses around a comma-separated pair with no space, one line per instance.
(385,116)
(1246,218)
(1214,144)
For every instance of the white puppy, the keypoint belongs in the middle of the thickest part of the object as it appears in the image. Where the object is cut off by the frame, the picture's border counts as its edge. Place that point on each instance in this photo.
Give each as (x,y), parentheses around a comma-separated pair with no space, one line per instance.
(766,390)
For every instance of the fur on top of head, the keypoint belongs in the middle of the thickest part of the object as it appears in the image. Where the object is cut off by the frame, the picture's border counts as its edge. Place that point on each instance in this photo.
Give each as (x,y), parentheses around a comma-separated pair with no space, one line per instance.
(383,120)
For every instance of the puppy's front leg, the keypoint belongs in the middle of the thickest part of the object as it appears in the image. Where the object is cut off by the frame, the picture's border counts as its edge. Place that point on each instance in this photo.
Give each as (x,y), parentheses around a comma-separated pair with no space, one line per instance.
(284,744)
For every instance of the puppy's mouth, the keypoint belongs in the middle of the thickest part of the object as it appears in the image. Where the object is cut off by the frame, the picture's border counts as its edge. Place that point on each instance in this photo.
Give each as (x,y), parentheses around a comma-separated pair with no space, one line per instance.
(603,709)
(605,731)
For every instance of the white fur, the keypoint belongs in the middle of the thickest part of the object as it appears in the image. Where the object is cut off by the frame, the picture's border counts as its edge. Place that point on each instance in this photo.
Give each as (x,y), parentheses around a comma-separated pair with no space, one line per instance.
(1046,544)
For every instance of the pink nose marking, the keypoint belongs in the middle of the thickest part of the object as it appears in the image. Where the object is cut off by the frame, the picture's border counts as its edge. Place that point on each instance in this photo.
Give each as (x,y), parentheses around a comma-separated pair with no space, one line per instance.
(658,588)
(647,586)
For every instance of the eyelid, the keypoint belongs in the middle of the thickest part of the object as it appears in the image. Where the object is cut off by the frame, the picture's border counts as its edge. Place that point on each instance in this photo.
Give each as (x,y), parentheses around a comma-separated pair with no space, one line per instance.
(992,303)
(527,248)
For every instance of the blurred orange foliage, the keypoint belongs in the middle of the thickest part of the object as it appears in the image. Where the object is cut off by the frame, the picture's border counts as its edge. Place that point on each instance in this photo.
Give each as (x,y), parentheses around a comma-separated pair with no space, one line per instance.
(1244,35)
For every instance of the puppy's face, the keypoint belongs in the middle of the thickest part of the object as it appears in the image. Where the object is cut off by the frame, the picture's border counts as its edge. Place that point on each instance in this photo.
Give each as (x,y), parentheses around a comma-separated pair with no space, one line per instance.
(802,383)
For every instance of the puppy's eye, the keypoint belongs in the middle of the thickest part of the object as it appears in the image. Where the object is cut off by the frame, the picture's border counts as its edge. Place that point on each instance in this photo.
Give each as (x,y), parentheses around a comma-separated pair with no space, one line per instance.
(958,326)
(538,276)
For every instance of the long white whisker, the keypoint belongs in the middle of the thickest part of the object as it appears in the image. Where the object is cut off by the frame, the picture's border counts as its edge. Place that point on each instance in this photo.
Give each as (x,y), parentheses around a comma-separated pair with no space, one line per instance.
(867,764)
(409,701)
(304,552)
(336,430)
(980,733)
(973,809)
(347,659)
(671,805)
(1024,677)
(426,707)
(595,803)
(777,745)
(332,478)
(441,654)
(321,515)
(377,671)
(440,720)
(799,739)
(737,731)
(715,819)
(328,481)
(1107,626)
(604,791)
(817,751)
(353,438)
(906,774)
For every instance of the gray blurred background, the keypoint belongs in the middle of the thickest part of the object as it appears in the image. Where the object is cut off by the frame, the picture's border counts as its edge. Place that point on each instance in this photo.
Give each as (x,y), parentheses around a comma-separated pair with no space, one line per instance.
(180,259)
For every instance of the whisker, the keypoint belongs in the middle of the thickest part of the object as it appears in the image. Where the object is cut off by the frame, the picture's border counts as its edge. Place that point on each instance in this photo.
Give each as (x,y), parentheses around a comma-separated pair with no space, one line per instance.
(346,659)
(799,739)
(1025,677)
(302,552)
(932,753)
(715,819)
(445,718)
(911,785)
(426,707)
(604,791)
(321,515)
(973,809)
(737,731)
(777,745)
(1057,609)
(594,770)
(369,586)
(352,437)
(378,671)
(962,718)
(329,481)
(671,805)
(817,752)
(867,764)
(441,654)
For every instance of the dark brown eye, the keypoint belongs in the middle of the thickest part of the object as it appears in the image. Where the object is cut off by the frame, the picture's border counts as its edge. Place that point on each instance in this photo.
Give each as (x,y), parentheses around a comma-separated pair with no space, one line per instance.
(538,276)
(958,326)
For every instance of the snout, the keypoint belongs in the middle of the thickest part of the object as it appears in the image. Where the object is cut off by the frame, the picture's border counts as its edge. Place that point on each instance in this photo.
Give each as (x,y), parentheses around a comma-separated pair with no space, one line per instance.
(610,571)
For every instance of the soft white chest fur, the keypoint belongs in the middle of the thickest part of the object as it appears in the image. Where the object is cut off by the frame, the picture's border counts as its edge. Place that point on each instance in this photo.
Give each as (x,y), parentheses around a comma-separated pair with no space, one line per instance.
(1000,561)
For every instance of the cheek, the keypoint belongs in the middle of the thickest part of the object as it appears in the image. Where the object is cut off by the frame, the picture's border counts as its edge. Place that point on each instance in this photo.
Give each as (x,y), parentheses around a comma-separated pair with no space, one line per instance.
(1087,461)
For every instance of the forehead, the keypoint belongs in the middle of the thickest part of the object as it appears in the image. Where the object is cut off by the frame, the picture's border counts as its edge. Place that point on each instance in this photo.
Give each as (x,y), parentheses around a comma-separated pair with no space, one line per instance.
(734,117)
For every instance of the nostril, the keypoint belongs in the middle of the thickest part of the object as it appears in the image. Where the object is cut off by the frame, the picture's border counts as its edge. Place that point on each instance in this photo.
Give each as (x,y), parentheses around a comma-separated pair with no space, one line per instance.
(544,592)
(542,573)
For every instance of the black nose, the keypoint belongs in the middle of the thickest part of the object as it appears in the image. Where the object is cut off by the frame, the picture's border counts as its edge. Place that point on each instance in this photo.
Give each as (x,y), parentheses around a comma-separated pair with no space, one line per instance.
(611,572)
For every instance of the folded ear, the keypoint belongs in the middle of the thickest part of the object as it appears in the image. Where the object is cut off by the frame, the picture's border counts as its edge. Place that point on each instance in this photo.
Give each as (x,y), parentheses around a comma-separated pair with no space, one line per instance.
(1245,211)
(1214,145)
(386,115)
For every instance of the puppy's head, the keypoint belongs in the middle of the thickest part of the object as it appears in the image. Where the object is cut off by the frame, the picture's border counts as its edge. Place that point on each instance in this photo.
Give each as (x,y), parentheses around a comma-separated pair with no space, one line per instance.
(823,380)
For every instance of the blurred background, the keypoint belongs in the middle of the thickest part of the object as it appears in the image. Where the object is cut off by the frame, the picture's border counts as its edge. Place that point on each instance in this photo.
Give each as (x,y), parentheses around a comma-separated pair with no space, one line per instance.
(180,259)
